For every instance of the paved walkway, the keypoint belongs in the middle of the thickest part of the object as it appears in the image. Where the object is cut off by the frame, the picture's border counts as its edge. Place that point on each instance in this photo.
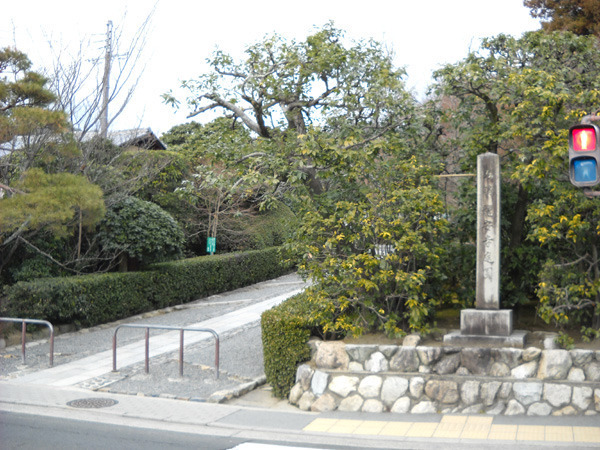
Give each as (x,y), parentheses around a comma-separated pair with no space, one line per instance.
(462,427)
(257,416)
(101,363)
(296,427)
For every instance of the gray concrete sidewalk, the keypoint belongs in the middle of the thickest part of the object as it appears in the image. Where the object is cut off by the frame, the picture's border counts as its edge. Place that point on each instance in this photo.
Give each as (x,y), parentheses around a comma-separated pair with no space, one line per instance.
(352,430)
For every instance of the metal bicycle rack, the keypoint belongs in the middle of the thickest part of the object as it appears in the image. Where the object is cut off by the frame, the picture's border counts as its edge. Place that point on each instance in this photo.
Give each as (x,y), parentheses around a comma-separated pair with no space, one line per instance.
(24,323)
(165,327)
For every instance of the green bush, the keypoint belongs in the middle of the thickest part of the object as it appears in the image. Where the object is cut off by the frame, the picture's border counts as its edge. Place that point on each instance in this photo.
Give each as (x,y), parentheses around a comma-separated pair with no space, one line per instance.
(142,230)
(89,300)
(286,329)
(271,228)
(184,280)
(84,300)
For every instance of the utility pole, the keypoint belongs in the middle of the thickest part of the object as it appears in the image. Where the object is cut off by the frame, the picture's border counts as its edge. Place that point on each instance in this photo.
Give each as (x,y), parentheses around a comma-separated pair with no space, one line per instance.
(105,81)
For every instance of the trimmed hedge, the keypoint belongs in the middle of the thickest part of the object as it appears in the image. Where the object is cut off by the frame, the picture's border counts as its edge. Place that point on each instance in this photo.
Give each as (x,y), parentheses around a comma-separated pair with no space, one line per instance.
(286,329)
(186,280)
(89,300)
(85,300)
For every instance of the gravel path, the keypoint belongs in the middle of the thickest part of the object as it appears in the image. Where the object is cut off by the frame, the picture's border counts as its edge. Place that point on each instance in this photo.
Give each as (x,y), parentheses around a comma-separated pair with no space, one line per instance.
(241,359)
(241,364)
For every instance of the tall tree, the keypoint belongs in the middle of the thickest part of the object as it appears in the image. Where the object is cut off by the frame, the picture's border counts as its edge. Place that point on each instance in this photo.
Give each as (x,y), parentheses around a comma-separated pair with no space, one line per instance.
(284,91)
(35,144)
(518,97)
(334,121)
(27,122)
(578,16)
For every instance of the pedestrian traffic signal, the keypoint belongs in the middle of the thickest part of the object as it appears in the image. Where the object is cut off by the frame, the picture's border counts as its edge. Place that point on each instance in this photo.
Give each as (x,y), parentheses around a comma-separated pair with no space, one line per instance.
(584,155)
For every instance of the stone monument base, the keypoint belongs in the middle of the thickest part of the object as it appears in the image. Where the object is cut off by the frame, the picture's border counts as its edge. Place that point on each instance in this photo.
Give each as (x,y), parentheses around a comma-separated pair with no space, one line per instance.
(487,327)
(516,339)
(486,322)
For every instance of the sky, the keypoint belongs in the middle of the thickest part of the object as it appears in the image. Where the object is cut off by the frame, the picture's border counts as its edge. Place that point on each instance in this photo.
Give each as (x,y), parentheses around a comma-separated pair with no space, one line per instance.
(424,35)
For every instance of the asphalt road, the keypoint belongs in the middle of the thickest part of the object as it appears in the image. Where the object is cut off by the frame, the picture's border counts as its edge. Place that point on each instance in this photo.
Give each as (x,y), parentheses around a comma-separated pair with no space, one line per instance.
(33,432)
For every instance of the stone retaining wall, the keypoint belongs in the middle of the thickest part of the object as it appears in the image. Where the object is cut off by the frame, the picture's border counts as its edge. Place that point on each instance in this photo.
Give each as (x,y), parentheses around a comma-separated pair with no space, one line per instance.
(421,379)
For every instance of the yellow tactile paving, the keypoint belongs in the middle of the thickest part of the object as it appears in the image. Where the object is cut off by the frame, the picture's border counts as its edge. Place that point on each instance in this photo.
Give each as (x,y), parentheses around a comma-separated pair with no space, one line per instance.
(586,434)
(477,427)
(503,432)
(457,427)
(480,420)
(531,433)
(322,425)
(422,429)
(345,426)
(448,430)
(370,427)
(559,434)
(395,429)
(454,419)
(450,427)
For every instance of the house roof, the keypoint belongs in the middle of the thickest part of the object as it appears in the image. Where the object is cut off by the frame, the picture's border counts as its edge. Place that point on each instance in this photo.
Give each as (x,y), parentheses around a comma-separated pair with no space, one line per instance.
(135,137)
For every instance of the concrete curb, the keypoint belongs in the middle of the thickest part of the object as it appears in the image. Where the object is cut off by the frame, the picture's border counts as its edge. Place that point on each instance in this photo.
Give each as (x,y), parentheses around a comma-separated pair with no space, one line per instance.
(226,395)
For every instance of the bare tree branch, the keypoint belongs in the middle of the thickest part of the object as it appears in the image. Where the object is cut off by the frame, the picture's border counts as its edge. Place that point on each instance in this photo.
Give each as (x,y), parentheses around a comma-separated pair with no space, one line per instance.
(10,189)
(79,90)
(46,255)
(16,234)
(236,110)
(250,155)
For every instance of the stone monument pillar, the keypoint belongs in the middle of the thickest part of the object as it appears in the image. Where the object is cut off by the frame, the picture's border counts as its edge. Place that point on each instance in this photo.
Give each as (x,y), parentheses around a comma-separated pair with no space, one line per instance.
(487,295)
(487,324)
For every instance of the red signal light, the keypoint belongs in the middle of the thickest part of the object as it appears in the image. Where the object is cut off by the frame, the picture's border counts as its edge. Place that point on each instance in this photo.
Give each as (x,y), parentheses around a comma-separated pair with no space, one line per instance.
(584,155)
(584,139)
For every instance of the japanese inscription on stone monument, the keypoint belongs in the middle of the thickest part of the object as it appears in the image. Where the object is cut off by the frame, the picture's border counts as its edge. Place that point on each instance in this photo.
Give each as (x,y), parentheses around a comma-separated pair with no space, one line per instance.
(488,232)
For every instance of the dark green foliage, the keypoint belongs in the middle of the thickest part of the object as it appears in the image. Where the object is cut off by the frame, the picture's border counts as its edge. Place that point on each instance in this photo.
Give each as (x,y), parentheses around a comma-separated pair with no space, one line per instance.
(99,298)
(182,281)
(142,230)
(85,300)
(581,16)
(269,228)
(27,263)
(285,333)
(518,97)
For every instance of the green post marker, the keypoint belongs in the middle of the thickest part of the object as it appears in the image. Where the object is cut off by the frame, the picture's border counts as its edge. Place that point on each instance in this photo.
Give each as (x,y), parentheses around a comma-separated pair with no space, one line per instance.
(211,245)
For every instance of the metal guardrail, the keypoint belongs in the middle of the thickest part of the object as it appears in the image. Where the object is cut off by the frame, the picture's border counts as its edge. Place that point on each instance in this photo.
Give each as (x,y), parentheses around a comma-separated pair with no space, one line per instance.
(24,323)
(165,327)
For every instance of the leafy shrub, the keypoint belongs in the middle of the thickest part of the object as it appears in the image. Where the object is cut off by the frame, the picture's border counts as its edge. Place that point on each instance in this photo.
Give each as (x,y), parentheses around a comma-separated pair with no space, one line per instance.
(84,300)
(271,228)
(375,258)
(184,280)
(142,230)
(99,298)
(285,333)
